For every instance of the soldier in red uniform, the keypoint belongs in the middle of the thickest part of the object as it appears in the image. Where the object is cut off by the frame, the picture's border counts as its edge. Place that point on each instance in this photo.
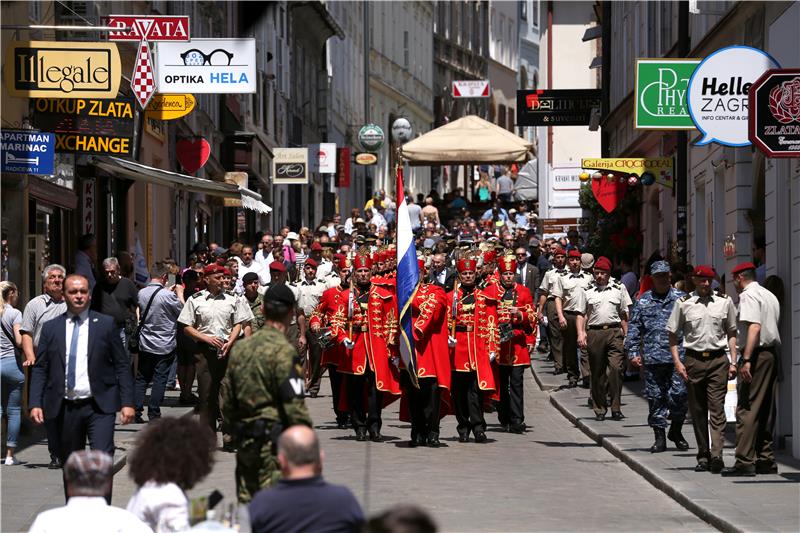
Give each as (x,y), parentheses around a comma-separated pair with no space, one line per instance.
(331,314)
(373,368)
(473,341)
(517,319)
(429,322)
(488,275)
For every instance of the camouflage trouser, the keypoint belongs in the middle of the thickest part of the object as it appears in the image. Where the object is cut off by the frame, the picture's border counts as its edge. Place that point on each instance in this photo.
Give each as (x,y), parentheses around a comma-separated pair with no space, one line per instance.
(666,393)
(256,469)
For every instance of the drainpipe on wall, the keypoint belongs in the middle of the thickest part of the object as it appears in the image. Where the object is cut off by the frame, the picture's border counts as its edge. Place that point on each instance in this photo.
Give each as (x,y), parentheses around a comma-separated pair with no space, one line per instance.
(682,148)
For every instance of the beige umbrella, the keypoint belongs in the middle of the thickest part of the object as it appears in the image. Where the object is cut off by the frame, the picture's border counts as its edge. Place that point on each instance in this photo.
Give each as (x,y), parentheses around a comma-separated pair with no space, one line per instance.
(467,141)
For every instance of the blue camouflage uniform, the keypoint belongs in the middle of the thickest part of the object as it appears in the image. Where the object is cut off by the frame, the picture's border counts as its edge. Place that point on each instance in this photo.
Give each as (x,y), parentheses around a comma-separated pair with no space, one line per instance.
(648,337)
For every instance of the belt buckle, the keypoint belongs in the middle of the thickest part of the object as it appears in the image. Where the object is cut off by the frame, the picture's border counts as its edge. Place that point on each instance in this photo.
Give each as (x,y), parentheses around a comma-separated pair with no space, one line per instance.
(706,354)
(605,327)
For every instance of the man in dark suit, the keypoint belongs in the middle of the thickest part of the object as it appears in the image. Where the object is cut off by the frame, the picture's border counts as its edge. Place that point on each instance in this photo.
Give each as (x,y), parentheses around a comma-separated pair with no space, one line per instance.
(527,274)
(440,274)
(82,374)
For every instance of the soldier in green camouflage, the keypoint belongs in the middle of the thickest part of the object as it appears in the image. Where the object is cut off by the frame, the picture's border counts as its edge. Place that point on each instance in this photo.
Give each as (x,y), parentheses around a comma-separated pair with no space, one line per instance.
(263,393)
(254,300)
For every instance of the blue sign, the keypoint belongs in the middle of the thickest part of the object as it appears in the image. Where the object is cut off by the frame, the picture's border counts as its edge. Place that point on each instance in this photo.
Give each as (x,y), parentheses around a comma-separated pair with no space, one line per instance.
(27,152)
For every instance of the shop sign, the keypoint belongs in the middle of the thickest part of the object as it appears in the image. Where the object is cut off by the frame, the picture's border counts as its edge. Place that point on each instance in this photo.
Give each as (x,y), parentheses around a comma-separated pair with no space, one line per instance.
(207,66)
(290,166)
(366,158)
(27,152)
(192,153)
(559,226)
(371,137)
(343,167)
(87,125)
(718,93)
(775,113)
(88,206)
(559,107)
(62,69)
(659,167)
(323,158)
(661,90)
(170,106)
(471,89)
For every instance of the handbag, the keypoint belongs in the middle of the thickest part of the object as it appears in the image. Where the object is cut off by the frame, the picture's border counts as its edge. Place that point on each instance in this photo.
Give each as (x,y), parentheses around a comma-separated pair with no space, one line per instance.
(133,342)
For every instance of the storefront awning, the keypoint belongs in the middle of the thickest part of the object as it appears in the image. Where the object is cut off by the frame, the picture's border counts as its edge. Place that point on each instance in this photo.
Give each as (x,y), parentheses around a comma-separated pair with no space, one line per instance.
(137,171)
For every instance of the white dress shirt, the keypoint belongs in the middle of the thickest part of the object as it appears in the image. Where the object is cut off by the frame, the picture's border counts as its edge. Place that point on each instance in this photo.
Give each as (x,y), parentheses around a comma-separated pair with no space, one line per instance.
(82,388)
(262,271)
(88,515)
(163,507)
(522,271)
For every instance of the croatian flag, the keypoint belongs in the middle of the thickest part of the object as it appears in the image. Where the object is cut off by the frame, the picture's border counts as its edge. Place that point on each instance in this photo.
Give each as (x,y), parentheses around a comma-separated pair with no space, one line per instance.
(407,278)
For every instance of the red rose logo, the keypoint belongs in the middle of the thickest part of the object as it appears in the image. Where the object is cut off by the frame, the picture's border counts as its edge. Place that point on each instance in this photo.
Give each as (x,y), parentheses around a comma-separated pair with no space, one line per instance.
(784,101)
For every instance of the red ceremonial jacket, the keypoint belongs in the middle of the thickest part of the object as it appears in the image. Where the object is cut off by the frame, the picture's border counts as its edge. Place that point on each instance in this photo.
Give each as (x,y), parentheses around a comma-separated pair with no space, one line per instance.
(515,352)
(429,322)
(476,332)
(332,312)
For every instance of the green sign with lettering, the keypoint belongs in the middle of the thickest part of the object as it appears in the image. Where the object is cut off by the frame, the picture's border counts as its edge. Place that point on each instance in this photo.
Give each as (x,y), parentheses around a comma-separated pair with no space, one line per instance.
(661,94)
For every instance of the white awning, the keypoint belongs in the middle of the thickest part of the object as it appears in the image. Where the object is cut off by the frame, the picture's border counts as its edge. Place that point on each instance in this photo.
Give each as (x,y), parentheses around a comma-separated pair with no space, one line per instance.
(137,171)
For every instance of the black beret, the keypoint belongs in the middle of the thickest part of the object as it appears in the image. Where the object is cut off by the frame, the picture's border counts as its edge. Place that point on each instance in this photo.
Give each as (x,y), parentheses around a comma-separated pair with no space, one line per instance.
(280,293)
(249,278)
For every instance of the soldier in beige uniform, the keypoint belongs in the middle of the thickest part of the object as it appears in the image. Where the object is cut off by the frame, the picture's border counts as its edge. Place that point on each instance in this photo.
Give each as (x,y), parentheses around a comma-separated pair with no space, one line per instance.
(567,312)
(708,323)
(602,324)
(759,340)
(213,318)
(547,308)
(308,293)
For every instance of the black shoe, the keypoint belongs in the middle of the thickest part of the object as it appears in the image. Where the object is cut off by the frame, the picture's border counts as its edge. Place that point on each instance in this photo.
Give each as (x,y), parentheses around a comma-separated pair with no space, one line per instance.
(701,467)
(600,417)
(572,383)
(585,383)
(715,465)
(660,445)
(228,448)
(433,441)
(376,437)
(55,463)
(617,415)
(463,437)
(361,436)
(766,467)
(519,429)
(139,420)
(590,403)
(676,436)
(480,437)
(188,400)
(738,471)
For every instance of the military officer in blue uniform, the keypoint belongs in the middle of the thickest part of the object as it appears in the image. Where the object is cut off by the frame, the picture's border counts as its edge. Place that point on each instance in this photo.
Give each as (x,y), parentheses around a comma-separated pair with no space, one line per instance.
(647,343)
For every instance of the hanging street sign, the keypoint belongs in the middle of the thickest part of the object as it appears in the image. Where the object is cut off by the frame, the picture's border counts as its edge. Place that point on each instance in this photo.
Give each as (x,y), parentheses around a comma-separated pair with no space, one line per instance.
(471,89)
(371,137)
(146,29)
(559,107)
(27,152)
(660,168)
(661,90)
(343,167)
(774,105)
(290,166)
(170,106)
(44,69)
(87,125)
(366,158)
(207,66)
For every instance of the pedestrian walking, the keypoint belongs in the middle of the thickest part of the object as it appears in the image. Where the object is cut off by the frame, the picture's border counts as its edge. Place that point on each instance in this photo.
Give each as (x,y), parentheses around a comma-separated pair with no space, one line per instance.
(263,394)
(758,342)
(11,376)
(40,310)
(309,292)
(547,308)
(254,300)
(117,297)
(647,344)
(565,289)
(707,321)
(159,308)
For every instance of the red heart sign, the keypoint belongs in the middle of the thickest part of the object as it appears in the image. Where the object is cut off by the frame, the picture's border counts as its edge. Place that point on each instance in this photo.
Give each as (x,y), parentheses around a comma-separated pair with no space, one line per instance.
(609,191)
(193,153)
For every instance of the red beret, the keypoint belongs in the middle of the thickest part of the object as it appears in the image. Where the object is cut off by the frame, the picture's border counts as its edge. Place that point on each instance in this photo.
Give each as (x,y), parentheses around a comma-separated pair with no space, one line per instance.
(704,271)
(559,251)
(574,253)
(507,263)
(225,271)
(212,269)
(466,264)
(277,266)
(362,261)
(311,262)
(421,264)
(603,263)
(316,247)
(489,257)
(741,267)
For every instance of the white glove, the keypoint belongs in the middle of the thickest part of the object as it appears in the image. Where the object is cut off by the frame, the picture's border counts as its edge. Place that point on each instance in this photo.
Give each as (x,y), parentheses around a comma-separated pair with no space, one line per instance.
(349,344)
(451,342)
(492,357)
(543,321)
(395,361)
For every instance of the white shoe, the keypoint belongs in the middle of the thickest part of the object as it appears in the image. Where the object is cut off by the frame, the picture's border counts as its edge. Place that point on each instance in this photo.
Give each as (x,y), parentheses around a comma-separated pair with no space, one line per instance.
(11,461)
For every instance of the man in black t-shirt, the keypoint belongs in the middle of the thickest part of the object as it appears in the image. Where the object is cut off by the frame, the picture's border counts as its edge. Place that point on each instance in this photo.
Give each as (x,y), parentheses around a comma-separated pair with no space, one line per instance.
(302,500)
(118,297)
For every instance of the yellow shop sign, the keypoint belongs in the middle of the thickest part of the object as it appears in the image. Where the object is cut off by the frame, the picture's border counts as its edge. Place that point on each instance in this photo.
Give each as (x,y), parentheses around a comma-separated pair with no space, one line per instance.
(169,106)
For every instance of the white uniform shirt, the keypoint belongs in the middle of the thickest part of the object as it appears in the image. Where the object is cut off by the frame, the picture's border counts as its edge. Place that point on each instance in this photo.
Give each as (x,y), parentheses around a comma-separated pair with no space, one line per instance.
(82,387)
(215,315)
(549,280)
(758,305)
(704,322)
(603,305)
(566,285)
(88,515)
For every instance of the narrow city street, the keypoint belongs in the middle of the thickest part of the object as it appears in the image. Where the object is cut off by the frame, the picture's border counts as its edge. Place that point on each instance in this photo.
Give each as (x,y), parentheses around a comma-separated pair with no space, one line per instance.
(553,478)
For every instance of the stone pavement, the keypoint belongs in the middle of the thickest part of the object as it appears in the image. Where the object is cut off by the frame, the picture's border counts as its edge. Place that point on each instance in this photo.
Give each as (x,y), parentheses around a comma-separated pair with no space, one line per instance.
(553,478)
(30,487)
(762,503)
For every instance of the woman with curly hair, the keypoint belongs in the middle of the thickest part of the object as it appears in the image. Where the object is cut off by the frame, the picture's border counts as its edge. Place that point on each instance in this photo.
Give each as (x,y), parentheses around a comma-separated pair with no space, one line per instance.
(172,455)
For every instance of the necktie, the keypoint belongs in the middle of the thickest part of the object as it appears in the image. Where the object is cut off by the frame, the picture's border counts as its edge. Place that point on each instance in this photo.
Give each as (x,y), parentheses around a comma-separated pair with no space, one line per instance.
(73,352)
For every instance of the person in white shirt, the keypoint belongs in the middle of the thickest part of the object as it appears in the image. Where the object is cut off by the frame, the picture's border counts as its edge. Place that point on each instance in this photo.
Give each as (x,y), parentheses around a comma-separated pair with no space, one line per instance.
(377,218)
(87,475)
(349,224)
(249,265)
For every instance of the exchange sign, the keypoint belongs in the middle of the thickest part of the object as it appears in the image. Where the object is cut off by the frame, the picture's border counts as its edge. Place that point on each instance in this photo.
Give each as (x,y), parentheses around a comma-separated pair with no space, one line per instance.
(27,152)
(775,113)
(62,69)
(661,86)
(207,66)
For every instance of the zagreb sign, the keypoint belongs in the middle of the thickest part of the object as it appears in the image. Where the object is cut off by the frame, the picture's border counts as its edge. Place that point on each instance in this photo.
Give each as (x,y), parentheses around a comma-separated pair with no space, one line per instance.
(207,66)
(775,113)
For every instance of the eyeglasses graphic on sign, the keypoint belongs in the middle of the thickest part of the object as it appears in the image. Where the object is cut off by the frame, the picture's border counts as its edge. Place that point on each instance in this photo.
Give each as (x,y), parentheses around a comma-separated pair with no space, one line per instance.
(195,57)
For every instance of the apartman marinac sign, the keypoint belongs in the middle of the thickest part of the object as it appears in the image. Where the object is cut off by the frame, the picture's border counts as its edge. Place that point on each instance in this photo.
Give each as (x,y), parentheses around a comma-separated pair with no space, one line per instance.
(661,99)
